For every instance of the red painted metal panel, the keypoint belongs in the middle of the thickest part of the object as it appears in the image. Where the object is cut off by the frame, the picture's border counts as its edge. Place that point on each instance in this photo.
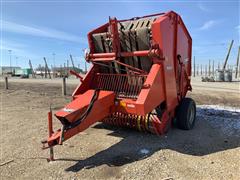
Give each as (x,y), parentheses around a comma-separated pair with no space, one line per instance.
(163,34)
(154,94)
(72,111)
(128,94)
(183,45)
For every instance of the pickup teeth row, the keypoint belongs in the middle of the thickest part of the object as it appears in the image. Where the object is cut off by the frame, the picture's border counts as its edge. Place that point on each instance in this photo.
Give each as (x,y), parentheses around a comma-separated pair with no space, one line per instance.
(148,123)
(124,85)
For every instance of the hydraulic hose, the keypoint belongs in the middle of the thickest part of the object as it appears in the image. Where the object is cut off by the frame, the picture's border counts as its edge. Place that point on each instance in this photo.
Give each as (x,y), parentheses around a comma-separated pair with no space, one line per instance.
(82,117)
(88,110)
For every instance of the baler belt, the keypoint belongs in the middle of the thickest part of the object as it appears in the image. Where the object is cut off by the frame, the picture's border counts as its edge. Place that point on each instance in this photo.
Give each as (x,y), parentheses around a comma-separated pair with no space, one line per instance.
(143,41)
(97,39)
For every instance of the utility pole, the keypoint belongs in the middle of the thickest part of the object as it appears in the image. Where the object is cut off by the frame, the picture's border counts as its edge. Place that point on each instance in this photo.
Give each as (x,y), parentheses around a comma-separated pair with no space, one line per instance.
(64,69)
(30,64)
(54,65)
(52,70)
(238,69)
(201,70)
(67,66)
(46,69)
(10,59)
(209,68)
(61,70)
(197,69)
(226,59)
(213,68)
(6,82)
(206,70)
(237,62)
(72,62)
(194,67)
(64,86)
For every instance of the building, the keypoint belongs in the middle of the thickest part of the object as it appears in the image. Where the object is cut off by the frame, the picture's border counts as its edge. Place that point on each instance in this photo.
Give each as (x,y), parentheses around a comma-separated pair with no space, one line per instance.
(8,69)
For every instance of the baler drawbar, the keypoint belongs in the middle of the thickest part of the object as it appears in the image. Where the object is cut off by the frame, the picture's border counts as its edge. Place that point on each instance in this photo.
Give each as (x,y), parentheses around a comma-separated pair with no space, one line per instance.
(139,79)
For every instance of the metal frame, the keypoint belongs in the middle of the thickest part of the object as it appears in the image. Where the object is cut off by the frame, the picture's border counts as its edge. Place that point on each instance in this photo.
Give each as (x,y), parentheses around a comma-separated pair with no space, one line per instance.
(165,84)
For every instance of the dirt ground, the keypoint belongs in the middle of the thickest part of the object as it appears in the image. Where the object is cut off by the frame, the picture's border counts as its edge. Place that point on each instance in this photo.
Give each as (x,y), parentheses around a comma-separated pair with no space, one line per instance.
(209,151)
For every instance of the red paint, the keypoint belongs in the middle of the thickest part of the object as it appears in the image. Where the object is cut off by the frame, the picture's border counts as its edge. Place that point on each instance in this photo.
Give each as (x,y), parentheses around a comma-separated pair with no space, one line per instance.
(166,83)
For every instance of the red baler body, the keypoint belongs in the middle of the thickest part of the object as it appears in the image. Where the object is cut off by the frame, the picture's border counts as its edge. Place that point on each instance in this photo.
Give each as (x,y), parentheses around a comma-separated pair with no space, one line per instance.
(141,71)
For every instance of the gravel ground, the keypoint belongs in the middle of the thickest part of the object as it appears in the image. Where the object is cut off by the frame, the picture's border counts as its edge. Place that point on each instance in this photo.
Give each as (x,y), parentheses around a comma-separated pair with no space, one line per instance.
(210,151)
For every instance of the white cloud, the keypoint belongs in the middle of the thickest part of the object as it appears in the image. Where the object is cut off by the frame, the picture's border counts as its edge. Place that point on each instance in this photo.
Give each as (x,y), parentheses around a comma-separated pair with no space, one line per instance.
(14,46)
(203,8)
(8,26)
(209,24)
(18,49)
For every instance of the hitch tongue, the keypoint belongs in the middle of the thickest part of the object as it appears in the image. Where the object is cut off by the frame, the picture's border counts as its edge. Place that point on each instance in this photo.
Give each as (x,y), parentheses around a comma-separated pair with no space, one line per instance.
(84,112)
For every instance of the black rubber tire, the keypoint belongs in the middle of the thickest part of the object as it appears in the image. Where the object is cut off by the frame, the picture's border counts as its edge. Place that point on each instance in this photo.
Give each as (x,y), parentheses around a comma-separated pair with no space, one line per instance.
(186,114)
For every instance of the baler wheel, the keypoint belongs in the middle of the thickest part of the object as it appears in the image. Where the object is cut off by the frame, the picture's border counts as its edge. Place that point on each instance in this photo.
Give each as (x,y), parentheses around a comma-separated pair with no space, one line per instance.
(186,114)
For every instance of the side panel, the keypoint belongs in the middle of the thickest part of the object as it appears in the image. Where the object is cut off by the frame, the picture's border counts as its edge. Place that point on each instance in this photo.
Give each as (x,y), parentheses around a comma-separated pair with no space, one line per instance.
(163,34)
(183,45)
(189,42)
(151,97)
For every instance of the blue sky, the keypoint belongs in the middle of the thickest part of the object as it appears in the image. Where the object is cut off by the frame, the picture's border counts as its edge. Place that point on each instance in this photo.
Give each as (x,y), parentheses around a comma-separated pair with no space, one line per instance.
(37,29)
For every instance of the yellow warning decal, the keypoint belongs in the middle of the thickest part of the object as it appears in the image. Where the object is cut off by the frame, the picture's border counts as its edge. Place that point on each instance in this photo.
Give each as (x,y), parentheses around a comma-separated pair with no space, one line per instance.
(123,104)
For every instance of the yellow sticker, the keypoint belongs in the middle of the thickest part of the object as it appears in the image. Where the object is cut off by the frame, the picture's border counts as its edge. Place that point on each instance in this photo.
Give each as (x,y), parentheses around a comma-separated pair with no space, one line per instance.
(123,104)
